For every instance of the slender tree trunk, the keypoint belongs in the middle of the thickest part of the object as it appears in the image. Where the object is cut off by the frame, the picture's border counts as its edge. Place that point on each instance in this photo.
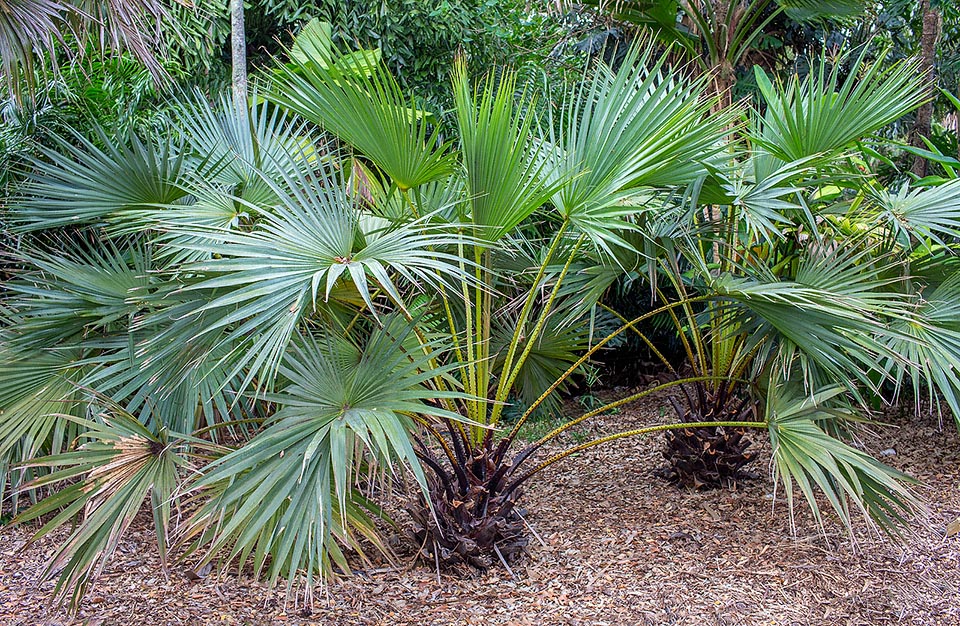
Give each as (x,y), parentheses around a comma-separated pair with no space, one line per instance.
(928,50)
(238,41)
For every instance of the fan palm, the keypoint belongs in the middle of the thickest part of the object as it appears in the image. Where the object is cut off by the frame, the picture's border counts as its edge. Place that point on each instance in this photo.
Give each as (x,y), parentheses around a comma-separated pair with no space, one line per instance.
(810,268)
(33,29)
(312,319)
(717,35)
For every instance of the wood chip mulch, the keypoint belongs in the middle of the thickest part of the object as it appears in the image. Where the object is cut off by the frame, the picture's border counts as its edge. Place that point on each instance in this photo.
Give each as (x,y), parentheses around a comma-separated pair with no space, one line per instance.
(613,546)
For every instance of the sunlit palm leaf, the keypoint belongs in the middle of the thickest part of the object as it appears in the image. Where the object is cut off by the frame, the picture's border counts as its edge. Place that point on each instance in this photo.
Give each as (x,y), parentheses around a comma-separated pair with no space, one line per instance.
(369,112)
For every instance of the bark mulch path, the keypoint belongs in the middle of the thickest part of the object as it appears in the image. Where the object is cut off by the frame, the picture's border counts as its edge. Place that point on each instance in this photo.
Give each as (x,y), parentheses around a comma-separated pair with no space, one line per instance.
(620,547)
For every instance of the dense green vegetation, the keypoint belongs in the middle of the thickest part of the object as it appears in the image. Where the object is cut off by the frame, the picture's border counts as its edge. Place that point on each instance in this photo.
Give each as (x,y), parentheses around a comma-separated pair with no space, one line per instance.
(379,269)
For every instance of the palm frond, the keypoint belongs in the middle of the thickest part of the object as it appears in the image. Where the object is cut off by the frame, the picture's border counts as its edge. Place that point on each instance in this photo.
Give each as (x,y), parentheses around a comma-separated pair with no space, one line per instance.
(553,352)
(108,478)
(237,146)
(80,184)
(829,320)
(504,168)
(26,27)
(922,215)
(80,289)
(261,284)
(369,112)
(929,341)
(767,204)
(806,456)
(640,127)
(823,114)
(37,387)
(345,407)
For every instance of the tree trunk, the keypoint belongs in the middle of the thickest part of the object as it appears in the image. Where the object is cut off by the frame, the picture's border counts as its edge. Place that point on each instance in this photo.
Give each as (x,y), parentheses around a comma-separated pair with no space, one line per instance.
(238,41)
(928,49)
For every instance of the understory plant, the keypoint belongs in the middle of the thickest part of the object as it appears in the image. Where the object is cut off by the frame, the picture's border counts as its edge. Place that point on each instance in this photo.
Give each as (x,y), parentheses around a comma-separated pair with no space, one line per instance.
(284,310)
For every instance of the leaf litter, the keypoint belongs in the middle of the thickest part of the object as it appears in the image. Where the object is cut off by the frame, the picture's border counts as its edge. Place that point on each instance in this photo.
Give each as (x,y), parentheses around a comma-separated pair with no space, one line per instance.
(611,544)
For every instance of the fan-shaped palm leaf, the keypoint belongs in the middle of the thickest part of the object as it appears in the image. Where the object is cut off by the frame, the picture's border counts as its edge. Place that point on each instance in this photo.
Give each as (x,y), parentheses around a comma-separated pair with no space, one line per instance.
(929,341)
(642,126)
(263,283)
(79,289)
(36,388)
(289,493)
(828,319)
(823,114)
(504,168)
(922,214)
(805,455)
(238,146)
(82,184)
(369,112)
(120,465)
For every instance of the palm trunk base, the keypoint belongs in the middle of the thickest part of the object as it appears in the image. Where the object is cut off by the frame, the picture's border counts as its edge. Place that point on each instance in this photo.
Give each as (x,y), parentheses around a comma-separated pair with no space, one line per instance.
(707,458)
(469,526)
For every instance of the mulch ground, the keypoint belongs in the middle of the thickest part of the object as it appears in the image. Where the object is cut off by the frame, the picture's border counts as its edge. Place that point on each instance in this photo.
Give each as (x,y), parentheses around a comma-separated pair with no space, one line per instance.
(614,545)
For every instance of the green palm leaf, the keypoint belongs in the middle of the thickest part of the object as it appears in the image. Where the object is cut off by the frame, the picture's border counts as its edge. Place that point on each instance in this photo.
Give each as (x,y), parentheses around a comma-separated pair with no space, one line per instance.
(261,284)
(829,320)
(806,456)
(237,147)
(810,10)
(107,480)
(79,289)
(823,114)
(37,387)
(642,126)
(180,389)
(368,111)
(922,214)
(287,497)
(929,341)
(82,184)
(504,168)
